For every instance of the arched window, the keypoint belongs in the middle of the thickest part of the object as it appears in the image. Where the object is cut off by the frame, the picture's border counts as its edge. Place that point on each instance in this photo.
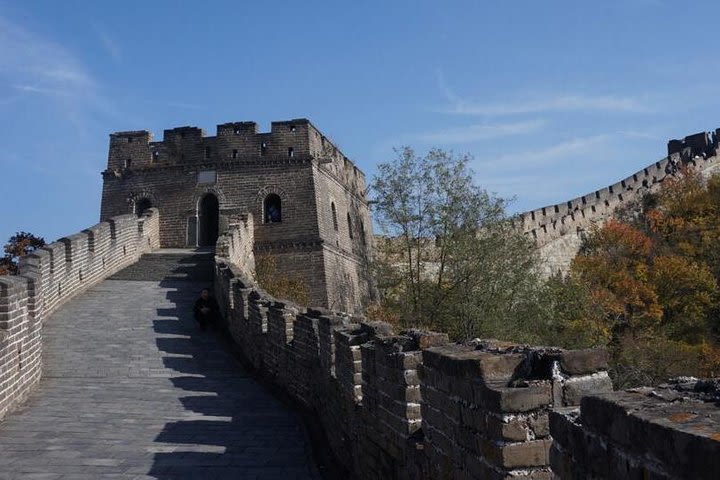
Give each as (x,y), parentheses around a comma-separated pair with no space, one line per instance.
(142,205)
(350,229)
(334,215)
(362,232)
(272,209)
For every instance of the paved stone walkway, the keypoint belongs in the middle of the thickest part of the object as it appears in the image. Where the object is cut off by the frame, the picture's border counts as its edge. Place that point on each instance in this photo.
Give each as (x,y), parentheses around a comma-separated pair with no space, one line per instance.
(132,389)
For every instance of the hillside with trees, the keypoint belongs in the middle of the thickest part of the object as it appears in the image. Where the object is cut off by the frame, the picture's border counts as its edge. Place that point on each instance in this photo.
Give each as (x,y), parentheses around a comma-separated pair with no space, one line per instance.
(644,285)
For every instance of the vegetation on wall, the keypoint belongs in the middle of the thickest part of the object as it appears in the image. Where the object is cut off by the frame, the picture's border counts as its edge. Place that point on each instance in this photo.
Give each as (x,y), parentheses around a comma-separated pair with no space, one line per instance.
(277,284)
(19,245)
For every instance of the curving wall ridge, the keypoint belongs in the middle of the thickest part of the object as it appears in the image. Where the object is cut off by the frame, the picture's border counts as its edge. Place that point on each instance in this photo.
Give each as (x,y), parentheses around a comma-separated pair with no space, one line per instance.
(407,405)
(51,276)
(557,229)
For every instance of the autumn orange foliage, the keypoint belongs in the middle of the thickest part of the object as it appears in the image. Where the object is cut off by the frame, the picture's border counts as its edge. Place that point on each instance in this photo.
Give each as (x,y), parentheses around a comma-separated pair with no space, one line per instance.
(655,280)
(19,245)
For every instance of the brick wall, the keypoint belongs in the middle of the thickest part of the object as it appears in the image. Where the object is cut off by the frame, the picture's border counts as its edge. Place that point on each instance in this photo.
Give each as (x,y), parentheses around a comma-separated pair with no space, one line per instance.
(241,168)
(409,405)
(50,277)
(663,433)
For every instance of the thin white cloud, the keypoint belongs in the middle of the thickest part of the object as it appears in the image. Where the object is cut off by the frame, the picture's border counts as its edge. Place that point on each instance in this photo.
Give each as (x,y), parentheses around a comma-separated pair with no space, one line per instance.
(477,132)
(39,90)
(31,65)
(546,156)
(28,60)
(458,105)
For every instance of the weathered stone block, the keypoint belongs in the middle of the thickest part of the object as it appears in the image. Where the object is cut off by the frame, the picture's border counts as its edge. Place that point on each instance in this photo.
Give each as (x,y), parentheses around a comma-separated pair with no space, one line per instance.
(575,388)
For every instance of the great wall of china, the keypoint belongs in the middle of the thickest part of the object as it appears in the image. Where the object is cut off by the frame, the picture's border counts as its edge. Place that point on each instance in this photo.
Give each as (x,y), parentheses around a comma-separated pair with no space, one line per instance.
(558,229)
(409,405)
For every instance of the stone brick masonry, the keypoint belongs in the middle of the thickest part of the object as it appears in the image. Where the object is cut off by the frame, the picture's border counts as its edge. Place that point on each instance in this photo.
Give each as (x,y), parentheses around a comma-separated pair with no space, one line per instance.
(324,234)
(409,405)
(663,433)
(50,277)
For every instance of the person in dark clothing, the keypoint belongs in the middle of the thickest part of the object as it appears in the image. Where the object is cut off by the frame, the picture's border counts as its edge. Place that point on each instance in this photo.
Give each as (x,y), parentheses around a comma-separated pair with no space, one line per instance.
(205,309)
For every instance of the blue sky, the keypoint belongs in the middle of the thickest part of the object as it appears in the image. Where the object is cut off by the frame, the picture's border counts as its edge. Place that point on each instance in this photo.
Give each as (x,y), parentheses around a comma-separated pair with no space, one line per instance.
(552,99)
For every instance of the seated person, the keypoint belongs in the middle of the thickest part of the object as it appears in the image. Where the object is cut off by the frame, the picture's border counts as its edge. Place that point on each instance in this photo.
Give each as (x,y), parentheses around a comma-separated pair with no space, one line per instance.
(205,309)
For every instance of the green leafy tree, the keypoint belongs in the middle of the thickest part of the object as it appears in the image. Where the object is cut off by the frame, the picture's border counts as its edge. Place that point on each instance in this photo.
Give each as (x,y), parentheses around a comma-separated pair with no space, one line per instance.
(449,257)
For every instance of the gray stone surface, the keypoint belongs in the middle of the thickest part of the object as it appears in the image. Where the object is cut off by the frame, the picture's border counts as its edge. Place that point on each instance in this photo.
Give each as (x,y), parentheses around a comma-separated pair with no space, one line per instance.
(131,389)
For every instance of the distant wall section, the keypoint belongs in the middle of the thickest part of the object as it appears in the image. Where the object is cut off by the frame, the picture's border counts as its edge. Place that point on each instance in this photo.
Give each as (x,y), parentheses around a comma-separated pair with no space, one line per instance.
(558,229)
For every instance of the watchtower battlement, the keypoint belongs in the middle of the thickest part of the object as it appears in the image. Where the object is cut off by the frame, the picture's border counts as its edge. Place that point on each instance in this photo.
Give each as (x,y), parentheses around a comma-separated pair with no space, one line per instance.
(295,140)
(703,144)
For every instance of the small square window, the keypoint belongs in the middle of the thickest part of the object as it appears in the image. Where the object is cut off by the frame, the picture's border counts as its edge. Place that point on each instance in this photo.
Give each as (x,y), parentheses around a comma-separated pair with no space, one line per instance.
(292,128)
(155,155)
(235,153)
(130,139)
(291,152)
(237,131)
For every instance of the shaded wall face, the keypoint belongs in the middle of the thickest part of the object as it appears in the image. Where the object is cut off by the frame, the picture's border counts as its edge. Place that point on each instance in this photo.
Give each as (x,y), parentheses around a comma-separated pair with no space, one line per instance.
(411,406)
(345,227)
(348,282)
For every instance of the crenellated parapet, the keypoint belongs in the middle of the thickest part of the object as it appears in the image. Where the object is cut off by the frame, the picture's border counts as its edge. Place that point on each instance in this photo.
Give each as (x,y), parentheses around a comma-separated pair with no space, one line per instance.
(552,221)
(51,276)
(235,144)
(409,404)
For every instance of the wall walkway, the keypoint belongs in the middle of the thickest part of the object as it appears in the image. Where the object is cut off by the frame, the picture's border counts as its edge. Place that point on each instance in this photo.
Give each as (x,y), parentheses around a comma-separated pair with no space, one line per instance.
(132,388)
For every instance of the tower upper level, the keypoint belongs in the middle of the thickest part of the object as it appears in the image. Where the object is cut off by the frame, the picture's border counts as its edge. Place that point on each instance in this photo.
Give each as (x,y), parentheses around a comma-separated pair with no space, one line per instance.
(288,141)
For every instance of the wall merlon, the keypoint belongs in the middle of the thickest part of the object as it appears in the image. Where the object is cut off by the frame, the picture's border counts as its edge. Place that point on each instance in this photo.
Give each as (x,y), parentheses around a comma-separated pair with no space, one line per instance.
(35,261)
(290,126)
(75,245)
(237,128)
(182,134)
(142,136)
(98,236)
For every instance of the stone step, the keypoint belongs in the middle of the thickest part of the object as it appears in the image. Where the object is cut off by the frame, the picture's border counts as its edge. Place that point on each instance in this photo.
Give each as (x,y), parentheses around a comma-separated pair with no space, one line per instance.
(177,266)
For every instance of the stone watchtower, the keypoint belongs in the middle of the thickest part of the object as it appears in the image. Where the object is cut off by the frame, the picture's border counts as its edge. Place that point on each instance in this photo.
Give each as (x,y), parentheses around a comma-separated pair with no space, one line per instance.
(308,201)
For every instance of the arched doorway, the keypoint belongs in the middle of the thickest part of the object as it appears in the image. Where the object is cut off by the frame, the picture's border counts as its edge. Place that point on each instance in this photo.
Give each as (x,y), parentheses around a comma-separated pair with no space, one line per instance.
(208,220)
(142,206)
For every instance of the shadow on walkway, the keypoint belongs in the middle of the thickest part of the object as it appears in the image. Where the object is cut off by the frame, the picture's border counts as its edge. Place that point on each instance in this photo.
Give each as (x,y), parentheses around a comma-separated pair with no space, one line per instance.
(234,428)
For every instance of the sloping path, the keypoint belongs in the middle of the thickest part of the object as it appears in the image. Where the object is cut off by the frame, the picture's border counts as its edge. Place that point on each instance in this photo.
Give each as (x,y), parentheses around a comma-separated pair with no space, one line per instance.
(132,389)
